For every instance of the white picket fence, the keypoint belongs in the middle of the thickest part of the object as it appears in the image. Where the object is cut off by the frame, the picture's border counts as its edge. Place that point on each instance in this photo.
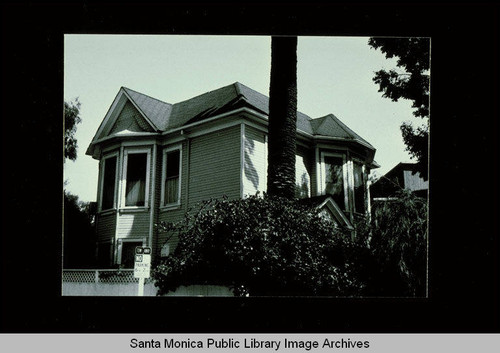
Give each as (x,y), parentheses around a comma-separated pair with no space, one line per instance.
(110,282)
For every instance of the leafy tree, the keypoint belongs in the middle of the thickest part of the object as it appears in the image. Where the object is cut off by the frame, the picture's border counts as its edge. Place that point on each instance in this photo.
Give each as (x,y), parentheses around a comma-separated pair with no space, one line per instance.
(71,119)
(274,246)
(413,57)
(282,117)
(396,236)
(79,232)
(260,246)
(79,227)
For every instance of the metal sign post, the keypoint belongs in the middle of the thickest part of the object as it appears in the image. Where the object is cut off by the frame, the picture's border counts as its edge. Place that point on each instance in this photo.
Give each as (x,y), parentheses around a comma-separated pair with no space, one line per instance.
(142,266)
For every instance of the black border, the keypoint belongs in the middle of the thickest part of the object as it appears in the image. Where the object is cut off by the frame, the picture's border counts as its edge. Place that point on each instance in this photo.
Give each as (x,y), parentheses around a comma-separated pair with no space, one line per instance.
(464,171)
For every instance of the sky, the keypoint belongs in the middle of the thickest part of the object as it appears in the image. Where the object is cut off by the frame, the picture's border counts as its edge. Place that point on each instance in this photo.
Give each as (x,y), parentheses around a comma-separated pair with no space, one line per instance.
(334,75)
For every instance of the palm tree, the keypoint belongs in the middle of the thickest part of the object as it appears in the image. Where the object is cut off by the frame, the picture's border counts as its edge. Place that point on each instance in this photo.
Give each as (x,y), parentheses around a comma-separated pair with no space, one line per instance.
(282,117)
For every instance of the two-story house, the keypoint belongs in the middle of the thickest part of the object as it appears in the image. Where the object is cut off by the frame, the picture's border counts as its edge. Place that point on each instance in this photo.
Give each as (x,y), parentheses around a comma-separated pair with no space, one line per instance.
(156,160)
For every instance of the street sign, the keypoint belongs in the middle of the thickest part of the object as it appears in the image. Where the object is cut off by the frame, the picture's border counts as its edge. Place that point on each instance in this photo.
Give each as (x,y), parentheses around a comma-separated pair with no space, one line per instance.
(142,263)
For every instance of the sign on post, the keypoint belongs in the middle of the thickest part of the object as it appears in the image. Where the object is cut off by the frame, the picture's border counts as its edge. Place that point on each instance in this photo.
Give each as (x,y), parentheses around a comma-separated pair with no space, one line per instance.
(142,263)
(142,266)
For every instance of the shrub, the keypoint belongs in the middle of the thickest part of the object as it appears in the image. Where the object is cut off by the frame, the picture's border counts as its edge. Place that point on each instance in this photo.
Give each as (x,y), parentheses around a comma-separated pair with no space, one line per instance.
(396,236)
(260,246)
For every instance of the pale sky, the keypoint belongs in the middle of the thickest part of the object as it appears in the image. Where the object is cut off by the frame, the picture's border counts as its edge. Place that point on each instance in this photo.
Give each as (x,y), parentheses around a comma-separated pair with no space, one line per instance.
(334,75)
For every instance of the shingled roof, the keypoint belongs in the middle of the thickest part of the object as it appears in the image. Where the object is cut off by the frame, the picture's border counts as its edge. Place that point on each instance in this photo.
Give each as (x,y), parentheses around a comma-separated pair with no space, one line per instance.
(156,111)
(165,116)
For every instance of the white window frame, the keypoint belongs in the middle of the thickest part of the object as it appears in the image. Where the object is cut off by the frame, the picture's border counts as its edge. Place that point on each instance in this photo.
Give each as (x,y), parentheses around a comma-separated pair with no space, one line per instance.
(119,246)
(101,181)
(126,152)
(164,177)
(365,186)
(345,176)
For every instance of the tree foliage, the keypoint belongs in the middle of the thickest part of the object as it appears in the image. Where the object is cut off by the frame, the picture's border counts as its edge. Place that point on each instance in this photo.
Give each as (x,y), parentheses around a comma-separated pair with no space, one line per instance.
(71,120)
(79,227)
(282,117)
(259,246)
(274,246)
(396,236)
(413,57)
(79,232)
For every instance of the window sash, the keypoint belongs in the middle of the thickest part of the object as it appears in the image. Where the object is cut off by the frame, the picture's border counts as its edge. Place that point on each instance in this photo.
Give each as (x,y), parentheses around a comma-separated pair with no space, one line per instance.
(172,164)
(359,188)
(135,178)
(135,190)
(108,183)
(334,181)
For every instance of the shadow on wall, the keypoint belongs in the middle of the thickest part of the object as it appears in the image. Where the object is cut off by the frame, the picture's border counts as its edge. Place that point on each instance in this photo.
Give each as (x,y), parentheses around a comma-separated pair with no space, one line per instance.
(302,188)
(250,171)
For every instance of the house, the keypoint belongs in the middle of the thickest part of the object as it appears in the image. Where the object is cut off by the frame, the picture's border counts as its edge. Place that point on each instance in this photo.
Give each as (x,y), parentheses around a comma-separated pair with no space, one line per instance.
(402,176)
(156,160)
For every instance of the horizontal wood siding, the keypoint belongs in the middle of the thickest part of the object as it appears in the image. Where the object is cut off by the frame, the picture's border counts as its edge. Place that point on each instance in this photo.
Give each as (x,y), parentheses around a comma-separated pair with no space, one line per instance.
(133,225)
(171,215)
(106,227)
(157,199)
(130,119)
(255,162)
(215,165)
(414,181)
(255,165)
(136,224)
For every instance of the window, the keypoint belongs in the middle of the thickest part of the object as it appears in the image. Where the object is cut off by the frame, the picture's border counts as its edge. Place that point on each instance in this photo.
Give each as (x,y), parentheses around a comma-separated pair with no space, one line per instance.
(334,179)
(108,182)
(359,188)
(128,253)
(104,254)
(171,185)
(136,176)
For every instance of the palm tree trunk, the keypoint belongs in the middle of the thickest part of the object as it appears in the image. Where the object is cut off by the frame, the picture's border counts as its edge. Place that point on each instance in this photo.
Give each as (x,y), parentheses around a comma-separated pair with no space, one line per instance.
(282,117)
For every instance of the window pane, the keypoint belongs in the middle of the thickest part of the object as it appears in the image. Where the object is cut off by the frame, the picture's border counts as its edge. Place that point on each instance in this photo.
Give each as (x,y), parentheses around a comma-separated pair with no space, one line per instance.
(173,163)
(136,179)
(359,188)
(104,254)
(128,253)
(334,180)
(108,188)
(172,177)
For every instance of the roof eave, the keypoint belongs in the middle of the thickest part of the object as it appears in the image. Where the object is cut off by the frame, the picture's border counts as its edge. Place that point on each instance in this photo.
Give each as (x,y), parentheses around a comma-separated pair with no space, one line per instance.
(342,139)
(92,147)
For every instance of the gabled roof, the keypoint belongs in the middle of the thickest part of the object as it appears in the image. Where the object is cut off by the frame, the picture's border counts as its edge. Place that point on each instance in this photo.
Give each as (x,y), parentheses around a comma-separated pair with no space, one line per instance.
(261,102)
(238,95)
(330,125)
(326,202)
(163,116)
(154,110)
(204,106)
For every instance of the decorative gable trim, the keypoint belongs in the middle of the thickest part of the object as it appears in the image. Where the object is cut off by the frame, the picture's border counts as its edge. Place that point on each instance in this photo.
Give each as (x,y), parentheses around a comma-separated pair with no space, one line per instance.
(337,213)
(110,118)
(112,115)
(139,110)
